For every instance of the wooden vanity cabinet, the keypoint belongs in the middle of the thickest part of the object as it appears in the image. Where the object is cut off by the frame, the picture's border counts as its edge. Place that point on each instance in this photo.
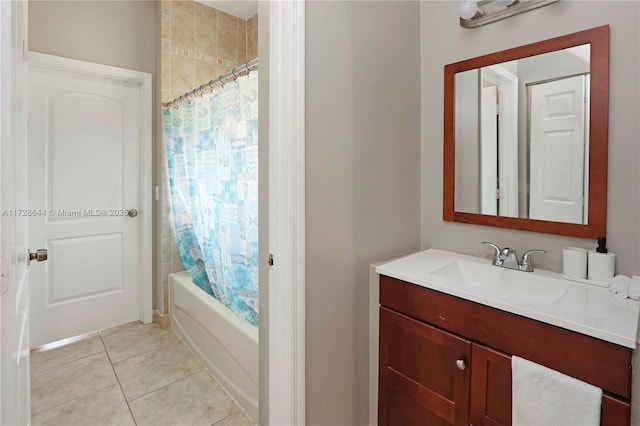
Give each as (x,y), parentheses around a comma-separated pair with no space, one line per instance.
(447,361)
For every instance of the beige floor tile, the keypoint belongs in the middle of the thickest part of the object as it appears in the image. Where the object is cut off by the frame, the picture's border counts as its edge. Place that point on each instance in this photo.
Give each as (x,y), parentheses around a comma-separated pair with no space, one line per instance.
(70,381)
(118,328)
(41,361)
(152,370)
(136,340)
(104,407)
(195,400)
(237,419)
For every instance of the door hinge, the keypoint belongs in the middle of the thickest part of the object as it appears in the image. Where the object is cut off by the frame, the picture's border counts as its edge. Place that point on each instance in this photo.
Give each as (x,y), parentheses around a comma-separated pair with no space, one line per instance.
(499,194)
(498,109)
(270,260)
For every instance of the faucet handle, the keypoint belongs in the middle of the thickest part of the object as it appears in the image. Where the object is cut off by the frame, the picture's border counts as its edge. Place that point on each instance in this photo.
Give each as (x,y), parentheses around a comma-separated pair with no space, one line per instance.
(496,257)
(525,263)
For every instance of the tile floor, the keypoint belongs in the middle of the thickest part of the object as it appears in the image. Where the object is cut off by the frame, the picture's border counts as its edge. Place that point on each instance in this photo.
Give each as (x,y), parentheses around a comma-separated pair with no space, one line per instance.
(133,375)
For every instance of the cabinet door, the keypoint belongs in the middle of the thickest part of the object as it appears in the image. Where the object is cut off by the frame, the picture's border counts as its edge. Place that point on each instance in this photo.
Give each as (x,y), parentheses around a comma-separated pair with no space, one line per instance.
(615,411)
(490,387)
(424,374)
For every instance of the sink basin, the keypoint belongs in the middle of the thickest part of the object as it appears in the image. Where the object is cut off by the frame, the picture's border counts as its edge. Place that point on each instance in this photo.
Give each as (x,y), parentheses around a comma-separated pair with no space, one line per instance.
(504,283)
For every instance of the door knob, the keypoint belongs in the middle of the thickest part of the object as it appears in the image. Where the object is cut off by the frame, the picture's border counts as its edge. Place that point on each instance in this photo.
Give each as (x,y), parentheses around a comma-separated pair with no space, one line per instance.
(132,212)
(39,256)
(460,364)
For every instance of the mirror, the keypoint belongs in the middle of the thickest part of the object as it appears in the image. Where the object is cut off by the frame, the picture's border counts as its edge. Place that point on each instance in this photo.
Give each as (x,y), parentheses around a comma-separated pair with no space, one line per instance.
(526,137)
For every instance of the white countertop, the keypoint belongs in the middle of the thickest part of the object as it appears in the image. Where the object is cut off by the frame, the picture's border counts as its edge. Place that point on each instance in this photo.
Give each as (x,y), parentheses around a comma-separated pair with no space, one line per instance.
(581,307)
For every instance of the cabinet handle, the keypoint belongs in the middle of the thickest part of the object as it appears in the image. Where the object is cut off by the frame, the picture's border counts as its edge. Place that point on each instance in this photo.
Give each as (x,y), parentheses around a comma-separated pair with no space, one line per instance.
(460,364)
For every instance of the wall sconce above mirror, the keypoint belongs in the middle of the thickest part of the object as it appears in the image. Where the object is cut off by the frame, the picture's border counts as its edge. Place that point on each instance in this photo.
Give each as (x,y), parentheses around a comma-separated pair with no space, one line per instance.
(475,14)
(526,137)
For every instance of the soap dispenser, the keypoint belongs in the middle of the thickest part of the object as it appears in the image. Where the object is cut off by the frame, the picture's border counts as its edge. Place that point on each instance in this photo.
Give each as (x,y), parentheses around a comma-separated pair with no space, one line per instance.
(601,262)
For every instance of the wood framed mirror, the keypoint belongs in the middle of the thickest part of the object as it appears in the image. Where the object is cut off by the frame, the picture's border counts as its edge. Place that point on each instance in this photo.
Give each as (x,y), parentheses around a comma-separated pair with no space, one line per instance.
(526,137)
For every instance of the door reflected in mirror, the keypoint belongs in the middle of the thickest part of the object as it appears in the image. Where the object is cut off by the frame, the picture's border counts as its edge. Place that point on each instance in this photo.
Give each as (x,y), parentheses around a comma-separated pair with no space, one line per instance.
(521,135)
(526,136)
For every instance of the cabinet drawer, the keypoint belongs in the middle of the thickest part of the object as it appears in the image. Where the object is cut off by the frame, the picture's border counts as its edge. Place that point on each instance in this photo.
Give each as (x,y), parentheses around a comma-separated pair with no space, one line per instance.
(603,364)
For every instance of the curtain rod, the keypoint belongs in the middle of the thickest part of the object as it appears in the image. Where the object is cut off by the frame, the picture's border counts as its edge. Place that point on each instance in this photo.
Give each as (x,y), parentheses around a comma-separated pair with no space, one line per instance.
(220,81)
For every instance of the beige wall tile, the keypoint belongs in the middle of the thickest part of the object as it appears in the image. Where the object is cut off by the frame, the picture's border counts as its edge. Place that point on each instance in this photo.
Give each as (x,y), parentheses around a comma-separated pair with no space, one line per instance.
(252,45)
(175,94)
(252,23)
(165,27)
(242,25)
(183,6)
(227,45)
(205,71)
(165,7)
(165,65)
(165,96)
(227,21)
(206,37)
(224,69)
(206,13)
(182,30)
(241,42)
(182,73)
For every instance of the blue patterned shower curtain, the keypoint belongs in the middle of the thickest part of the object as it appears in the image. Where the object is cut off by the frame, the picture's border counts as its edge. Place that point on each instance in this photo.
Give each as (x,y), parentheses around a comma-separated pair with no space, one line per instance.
(212,149)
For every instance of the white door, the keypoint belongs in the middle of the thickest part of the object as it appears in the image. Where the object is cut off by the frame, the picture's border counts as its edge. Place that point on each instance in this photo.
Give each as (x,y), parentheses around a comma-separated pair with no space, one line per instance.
(84,175)
(14,309)
(558,150)
(489,151)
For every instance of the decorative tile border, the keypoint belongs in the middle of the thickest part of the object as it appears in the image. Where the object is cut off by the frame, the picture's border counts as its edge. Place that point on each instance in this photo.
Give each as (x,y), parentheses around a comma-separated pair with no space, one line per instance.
(202,57)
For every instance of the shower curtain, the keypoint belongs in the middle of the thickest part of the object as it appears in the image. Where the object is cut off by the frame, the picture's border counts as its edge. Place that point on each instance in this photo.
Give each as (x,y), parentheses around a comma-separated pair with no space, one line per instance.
(212,150)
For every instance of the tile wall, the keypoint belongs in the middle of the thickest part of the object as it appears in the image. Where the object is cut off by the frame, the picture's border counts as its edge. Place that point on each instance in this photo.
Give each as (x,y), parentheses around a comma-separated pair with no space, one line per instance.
(199,43)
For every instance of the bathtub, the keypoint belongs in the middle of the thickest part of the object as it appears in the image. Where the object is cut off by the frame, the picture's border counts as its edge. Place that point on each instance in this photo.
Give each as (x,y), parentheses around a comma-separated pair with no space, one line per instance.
(225,343)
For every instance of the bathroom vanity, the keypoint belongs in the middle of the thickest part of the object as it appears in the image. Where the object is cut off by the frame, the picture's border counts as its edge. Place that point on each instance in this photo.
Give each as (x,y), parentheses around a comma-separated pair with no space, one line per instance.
(450,323)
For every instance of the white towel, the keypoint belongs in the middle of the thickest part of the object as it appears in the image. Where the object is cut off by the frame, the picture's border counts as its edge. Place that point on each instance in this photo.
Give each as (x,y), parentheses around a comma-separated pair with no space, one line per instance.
(619,286)
(542,396)
(634,288)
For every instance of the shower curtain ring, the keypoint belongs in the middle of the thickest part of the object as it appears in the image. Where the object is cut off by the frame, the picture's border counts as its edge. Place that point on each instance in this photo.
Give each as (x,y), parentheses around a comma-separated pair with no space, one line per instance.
(220,81)
(246,65)
(235,77)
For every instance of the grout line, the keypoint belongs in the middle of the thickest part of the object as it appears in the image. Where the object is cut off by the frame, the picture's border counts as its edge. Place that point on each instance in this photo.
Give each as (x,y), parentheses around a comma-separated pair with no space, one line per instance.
(69,401)
(37,373)
(164,386)
(226,417)
(119,384)
(145,352)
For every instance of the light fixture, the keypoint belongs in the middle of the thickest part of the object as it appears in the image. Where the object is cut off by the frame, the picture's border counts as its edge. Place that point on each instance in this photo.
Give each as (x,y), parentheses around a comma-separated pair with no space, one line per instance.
(475,14)
(469,9)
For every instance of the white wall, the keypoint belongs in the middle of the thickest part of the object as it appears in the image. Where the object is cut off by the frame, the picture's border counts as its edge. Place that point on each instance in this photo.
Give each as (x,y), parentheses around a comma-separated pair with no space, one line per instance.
(362,185)
(444,41)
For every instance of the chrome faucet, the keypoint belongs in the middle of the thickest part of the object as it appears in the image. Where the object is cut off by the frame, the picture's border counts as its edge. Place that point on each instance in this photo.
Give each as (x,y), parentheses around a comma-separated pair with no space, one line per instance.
(507,258)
